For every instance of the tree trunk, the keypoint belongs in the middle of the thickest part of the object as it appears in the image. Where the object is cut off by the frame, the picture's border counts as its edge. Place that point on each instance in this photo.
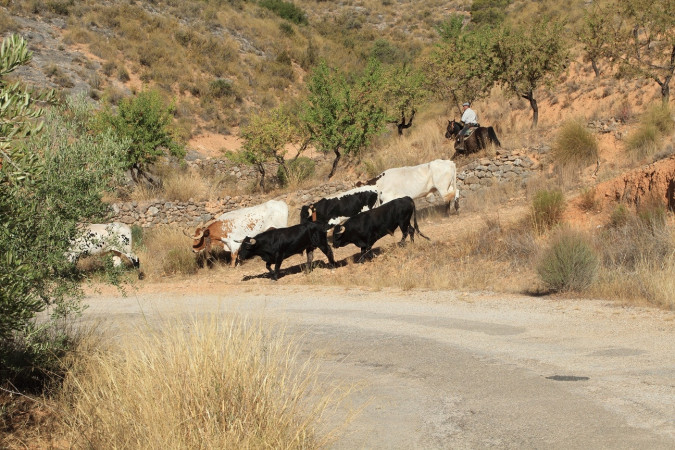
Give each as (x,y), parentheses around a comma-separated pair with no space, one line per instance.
(594,64)
(261,169)
(403,125)
(535,109)
(335,163)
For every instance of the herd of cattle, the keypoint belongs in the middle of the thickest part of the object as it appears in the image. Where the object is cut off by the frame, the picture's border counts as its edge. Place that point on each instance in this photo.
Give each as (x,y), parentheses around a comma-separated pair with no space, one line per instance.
(360,216)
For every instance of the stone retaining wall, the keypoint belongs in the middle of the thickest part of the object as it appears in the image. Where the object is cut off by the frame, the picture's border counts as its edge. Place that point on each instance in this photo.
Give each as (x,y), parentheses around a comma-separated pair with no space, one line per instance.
(479,174)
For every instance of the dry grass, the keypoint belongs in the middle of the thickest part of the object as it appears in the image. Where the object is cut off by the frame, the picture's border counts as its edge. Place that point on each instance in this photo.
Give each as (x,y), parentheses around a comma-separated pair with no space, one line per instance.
(167,251)
(207,383)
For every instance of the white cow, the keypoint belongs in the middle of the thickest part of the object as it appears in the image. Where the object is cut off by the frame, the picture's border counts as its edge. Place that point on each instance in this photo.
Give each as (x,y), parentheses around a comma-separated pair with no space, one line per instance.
(230,228)
(102,238)
(418,181)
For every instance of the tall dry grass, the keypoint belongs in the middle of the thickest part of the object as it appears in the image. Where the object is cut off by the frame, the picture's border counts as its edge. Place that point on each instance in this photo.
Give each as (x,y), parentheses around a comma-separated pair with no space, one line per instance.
(167,251)
(207,383)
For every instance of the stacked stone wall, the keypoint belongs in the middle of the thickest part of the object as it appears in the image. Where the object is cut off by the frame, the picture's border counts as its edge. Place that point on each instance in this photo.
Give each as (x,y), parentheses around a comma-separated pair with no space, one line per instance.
(477,175)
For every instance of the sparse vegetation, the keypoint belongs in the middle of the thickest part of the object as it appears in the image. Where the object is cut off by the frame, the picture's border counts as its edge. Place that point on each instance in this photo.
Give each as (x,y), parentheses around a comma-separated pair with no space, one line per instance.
(575,145)
(547,209)
(570,264)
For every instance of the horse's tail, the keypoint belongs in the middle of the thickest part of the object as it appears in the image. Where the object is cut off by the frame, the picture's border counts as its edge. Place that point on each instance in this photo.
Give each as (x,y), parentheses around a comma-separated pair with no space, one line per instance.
(493,137)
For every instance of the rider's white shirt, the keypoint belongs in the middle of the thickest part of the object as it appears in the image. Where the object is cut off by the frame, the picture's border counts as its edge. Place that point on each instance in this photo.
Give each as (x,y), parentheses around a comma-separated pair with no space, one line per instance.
(469,116)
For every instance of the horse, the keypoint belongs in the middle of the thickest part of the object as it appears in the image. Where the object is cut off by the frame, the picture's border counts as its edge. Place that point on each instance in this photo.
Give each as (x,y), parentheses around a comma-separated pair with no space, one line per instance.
(480,138)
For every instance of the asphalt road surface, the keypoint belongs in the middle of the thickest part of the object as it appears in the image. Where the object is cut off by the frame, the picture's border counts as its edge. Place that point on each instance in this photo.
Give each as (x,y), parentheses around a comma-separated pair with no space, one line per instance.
(455,370)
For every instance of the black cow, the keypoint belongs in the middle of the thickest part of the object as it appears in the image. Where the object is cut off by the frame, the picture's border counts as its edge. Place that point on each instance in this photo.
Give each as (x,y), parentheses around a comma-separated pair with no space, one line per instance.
(273,246)
(333,210)
(368,227)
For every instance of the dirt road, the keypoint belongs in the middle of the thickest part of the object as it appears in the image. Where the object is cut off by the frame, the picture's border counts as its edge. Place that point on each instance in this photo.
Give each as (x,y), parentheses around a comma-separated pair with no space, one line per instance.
(455,370)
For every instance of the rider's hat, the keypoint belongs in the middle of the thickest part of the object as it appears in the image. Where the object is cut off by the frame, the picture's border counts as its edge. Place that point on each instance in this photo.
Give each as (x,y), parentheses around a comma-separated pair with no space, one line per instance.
(466,104)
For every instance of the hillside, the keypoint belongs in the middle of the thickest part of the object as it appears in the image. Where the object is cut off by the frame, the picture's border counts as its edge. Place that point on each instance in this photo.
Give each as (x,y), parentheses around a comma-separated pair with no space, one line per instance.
(221,61)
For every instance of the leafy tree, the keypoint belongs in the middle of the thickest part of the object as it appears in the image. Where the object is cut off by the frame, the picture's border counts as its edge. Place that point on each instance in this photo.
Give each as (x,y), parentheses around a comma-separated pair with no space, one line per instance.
(50,179)
(344,117)
(489,12)
(145,120)
(461,67)
(404,88)
(286,10)
(597,35)
(450,29)
(265,138)
(529,57)
(646,42)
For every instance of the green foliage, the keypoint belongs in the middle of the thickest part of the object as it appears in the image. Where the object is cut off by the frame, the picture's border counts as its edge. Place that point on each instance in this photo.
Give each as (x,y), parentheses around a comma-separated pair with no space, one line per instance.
(386,52)
(342,116)
(51,179)
(220,87)
(286,10)
(596,34)
(403,90)
(575,145)
(570,264)
(529,56)
(144,120)
(299,169)
(489,12)
(547,209)
(265,138)
(450,29)
(461,67)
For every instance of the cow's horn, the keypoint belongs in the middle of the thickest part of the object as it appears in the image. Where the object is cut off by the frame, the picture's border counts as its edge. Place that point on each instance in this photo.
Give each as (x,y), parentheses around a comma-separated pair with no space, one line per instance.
(339,230)
(252,241)
(186,233)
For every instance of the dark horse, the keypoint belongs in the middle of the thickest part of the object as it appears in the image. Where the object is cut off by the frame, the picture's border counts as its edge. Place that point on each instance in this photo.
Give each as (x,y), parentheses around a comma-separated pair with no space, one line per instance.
(477,140)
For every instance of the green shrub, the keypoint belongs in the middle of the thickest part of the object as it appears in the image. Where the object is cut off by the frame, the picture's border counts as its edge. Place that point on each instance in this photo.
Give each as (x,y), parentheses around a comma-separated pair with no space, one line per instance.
(286,10)
(146,121)
(299,169)
(547,209)
(570,264)
(220,87)
(659,115)
(575,145)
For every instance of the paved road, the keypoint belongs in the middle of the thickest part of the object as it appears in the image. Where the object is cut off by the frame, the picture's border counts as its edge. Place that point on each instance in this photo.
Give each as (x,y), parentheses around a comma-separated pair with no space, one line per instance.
(455,370)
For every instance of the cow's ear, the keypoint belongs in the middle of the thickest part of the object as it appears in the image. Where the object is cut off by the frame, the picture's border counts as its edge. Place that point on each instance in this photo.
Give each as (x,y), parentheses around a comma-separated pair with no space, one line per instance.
(207,232)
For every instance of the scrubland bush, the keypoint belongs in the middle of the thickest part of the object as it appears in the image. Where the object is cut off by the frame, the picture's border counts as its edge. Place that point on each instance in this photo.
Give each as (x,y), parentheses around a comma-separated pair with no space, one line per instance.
(587,200)
(209,383)
(547,209)
(655,122)
(575,145)
(570,263)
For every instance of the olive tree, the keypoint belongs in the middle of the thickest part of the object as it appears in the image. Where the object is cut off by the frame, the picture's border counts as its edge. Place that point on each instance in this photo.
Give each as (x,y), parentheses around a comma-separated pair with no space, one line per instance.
(51,178)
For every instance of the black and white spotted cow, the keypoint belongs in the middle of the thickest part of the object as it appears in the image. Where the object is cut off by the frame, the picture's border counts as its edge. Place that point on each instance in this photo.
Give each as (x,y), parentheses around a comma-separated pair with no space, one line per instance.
(368,227)
(338,208)
(102,238)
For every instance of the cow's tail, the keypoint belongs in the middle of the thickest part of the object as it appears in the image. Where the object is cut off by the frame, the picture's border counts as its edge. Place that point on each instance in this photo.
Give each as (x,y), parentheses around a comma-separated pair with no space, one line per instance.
(417,228)
(493,136)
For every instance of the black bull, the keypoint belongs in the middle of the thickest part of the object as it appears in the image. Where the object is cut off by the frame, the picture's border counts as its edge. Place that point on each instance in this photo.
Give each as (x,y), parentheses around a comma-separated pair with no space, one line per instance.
(347,205)
(478,140)
(273,246)
(368,227)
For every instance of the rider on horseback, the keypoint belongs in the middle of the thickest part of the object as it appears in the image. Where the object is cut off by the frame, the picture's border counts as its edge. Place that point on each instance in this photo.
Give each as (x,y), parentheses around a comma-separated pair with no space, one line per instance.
(469,119)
